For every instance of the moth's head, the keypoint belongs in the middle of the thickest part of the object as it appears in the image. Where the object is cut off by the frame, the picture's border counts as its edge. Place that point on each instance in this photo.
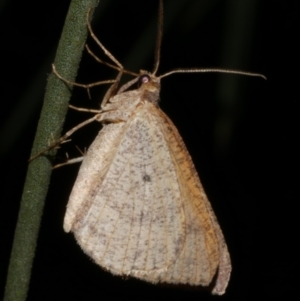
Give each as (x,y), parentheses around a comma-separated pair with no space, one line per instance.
(149,85)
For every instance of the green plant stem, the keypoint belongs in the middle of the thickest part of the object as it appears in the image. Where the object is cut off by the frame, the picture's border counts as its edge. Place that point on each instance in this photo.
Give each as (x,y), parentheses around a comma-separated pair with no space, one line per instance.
(52,117)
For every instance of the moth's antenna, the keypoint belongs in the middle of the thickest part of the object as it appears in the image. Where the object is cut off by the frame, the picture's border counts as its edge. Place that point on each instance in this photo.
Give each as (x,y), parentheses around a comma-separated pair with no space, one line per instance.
(158,38)
(212,70)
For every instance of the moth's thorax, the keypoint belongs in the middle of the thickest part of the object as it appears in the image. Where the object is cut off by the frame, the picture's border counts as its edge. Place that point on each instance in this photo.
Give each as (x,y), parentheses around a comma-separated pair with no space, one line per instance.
(124,105)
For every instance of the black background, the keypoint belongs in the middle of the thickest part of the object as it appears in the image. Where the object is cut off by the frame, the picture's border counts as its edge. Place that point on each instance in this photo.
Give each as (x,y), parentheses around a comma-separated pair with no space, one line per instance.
(241,133)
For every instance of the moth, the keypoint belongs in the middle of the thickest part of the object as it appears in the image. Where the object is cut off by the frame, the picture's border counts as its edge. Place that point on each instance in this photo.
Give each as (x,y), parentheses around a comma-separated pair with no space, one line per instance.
(137,207)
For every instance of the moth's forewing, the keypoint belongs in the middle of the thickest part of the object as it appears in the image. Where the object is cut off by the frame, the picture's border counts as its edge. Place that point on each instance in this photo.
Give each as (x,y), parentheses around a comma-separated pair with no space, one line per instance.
(131,220)
(99,157)
(138,207)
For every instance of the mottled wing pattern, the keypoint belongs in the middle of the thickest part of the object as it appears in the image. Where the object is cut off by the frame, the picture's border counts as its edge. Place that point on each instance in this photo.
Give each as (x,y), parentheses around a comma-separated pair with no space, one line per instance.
(141,210)
(205,250)
(132,221)
(91,175)
(99,156)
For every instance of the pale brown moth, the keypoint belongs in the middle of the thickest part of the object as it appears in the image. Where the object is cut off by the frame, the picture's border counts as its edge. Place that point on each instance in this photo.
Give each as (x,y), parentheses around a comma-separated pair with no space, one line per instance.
(137,207)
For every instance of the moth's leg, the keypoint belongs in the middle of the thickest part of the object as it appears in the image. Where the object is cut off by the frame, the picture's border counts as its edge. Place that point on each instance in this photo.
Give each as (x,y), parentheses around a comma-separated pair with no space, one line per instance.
(86,86)
(127,85)
(85,110)
(71,161)
(70,132)
(99,43)
(65,136)
(90,52)
(112,89)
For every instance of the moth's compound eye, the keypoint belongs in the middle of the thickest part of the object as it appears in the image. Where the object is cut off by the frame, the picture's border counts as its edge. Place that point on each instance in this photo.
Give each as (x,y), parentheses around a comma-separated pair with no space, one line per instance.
(145,78)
